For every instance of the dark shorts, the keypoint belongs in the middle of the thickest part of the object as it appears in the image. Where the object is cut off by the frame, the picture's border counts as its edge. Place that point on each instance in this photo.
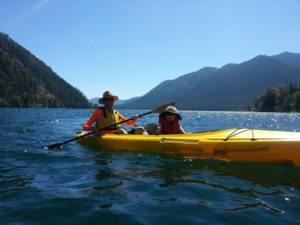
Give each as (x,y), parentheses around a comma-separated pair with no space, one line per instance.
(131,131)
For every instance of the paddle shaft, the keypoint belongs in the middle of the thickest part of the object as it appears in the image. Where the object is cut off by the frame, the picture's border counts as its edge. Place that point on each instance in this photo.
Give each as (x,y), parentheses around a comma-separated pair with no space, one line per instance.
(157,110)
(89,133)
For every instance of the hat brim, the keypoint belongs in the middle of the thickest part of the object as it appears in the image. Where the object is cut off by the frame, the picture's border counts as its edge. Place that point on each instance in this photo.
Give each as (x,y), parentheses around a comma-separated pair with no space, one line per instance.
(116,98)
(167,112)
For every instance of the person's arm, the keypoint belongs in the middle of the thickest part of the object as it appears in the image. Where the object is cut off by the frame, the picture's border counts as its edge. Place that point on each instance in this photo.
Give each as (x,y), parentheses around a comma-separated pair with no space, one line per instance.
(88,124)
(181,130)
(130,122)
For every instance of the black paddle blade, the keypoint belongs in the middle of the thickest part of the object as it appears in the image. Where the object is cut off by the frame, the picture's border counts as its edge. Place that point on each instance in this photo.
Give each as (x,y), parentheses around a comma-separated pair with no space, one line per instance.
(60,144)
(53,146)
(163,107)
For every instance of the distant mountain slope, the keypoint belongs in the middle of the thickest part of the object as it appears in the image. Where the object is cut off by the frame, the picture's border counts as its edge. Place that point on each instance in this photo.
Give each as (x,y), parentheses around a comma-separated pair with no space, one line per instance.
(289,58)
(25,81)
(171,90)
(120,102)
(232,87)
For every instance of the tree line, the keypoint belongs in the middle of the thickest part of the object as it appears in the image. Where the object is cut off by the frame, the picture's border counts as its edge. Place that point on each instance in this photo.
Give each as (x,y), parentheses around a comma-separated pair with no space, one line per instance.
(279,99)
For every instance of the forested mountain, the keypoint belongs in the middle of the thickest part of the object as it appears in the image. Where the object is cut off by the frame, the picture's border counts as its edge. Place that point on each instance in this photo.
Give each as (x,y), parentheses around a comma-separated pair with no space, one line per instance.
(231,87)
(25,81)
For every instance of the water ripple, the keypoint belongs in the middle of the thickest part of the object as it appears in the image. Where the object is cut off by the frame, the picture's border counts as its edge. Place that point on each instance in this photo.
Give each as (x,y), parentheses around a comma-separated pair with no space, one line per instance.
(79,185)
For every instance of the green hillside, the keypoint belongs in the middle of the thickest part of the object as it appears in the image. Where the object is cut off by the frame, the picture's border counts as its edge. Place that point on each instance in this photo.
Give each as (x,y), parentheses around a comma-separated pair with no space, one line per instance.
(25,81)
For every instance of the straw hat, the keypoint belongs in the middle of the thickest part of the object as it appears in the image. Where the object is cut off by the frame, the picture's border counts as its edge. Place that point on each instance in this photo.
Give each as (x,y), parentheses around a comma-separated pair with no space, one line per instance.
(172,110)
(108,95)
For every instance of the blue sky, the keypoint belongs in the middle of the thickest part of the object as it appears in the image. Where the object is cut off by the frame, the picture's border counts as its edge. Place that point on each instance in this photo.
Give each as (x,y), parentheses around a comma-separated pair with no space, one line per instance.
(130,46)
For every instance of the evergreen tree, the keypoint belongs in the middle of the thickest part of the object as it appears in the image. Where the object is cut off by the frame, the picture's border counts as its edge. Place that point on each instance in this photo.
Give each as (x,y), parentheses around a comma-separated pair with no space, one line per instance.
(279,99)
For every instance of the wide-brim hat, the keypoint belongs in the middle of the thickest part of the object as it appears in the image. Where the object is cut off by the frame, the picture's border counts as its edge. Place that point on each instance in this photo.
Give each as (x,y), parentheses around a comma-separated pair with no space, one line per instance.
(172,110)
(109,95)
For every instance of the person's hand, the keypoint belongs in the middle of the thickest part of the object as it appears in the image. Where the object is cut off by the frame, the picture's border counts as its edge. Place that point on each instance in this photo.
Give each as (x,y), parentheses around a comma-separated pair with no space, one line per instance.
(117,132)
(135,116)
(158,130)
(95,131)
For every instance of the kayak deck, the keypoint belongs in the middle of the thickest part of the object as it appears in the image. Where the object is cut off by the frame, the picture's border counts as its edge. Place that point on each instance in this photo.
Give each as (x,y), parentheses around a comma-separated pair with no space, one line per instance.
(232,144)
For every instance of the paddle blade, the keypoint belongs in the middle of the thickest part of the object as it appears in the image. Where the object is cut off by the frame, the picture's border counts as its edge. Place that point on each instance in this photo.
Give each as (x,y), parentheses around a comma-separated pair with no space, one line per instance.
(53,146)
(60,144)
(163,107)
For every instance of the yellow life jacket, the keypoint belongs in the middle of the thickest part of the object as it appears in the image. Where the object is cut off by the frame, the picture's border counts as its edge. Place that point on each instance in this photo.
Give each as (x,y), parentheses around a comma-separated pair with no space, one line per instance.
(110,117)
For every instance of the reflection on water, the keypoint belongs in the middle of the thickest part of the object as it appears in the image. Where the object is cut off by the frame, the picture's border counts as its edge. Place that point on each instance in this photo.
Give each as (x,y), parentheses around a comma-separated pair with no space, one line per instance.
(172,170)
(175,181)
(244,206)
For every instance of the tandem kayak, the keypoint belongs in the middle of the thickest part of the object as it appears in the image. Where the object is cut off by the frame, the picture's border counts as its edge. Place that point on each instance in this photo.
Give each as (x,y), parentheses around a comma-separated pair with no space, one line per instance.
(233,144)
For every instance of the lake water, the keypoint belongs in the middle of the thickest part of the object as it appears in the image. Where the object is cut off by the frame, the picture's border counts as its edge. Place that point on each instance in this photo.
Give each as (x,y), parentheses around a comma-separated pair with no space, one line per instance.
(79,185)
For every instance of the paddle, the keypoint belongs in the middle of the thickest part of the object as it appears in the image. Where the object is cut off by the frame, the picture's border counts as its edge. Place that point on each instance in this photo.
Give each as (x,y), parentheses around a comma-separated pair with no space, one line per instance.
(156,110)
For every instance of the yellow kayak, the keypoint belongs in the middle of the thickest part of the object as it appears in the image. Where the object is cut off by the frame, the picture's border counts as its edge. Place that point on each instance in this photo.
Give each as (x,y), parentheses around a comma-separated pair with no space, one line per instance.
(232,144)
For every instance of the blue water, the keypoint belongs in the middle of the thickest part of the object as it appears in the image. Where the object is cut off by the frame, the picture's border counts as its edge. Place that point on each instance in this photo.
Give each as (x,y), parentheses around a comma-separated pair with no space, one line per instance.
(78,185)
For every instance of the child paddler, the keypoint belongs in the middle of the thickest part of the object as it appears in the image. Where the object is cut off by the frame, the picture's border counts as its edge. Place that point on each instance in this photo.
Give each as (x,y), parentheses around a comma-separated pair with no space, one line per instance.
(168,124)
(106,115)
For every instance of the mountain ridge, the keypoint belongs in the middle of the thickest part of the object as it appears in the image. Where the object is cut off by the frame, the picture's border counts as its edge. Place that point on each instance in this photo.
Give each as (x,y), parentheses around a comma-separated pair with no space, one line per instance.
(120,102)
(231,87)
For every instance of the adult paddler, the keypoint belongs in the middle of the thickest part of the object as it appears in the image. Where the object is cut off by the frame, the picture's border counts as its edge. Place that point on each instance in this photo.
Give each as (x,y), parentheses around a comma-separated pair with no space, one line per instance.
(106,115)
